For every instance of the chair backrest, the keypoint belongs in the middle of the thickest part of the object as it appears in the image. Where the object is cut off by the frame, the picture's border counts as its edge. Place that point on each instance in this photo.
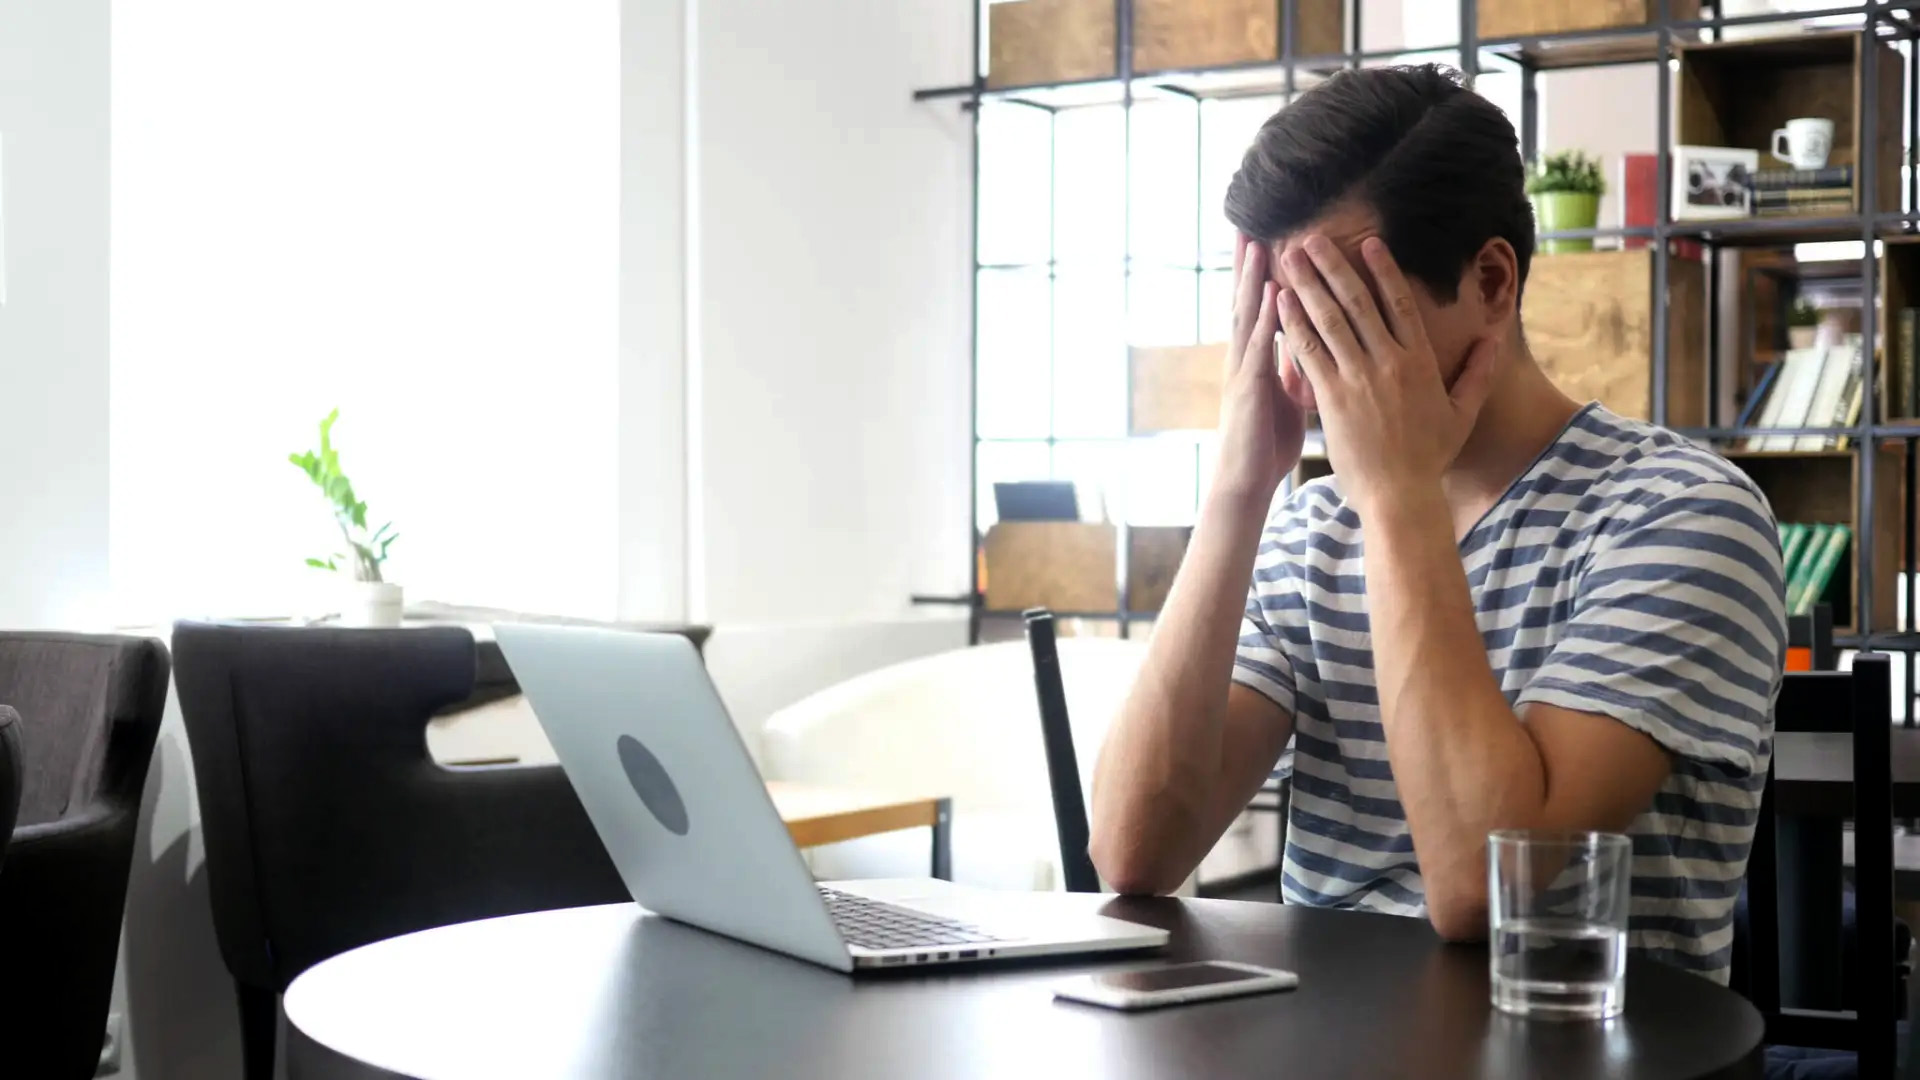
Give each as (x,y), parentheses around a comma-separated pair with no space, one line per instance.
(71,691)
(1063,765)
(1856,702)
(328,824)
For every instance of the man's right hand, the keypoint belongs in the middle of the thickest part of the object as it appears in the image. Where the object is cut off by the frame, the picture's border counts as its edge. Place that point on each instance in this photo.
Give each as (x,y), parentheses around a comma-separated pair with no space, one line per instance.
(1263,411)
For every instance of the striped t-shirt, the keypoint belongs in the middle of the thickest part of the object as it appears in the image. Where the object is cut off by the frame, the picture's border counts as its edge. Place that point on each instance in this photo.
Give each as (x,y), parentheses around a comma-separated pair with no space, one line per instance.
(1627,573)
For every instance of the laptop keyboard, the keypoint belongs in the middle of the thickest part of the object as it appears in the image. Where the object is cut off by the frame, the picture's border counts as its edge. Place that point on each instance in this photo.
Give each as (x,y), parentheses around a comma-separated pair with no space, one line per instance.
(872,924)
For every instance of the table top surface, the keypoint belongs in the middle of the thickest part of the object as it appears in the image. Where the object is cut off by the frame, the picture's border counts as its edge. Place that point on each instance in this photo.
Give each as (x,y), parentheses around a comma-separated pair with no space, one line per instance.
(612,991)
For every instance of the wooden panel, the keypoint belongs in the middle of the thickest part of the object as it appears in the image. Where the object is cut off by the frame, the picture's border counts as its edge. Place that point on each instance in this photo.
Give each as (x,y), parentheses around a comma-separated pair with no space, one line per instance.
(1030,42)
(1063,565)
(1517,18)
(1822,486)
(1589,323)
(1187,34)
(1153,558)
(815,816)
(1890,151)
(1176,387)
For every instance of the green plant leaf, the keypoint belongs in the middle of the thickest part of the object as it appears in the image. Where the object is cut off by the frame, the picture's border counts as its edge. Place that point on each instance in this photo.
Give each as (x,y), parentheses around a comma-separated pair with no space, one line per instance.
(321,564)
(1571,171)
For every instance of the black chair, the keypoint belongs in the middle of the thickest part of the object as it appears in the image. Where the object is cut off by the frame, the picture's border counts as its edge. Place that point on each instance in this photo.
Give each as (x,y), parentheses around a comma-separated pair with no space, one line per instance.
(89,709)
(327,823)
(1858,702)
(1063,766)
(12,777)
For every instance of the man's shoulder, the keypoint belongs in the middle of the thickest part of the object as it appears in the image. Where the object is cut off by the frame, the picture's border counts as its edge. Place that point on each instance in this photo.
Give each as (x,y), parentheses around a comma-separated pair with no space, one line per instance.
(1312,504)
(1628,467)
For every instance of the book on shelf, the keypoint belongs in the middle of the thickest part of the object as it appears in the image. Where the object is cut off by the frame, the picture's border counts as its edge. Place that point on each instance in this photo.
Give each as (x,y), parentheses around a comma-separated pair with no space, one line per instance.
(1817,388)
(1795,389)
(1829,395)
(1759,394)
(1850,408)
(1773,179)
(1793,541)
(1837,208)
(1796,579)
(1819,563)
(1800,196)
(1770,407)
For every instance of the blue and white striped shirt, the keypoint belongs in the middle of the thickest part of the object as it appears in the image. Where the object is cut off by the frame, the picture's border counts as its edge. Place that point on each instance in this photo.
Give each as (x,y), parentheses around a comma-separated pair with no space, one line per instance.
(1626,573)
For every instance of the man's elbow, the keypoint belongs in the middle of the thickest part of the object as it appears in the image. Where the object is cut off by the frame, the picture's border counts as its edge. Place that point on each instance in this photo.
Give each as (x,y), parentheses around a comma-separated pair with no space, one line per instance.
(1458,915)
(1129,867)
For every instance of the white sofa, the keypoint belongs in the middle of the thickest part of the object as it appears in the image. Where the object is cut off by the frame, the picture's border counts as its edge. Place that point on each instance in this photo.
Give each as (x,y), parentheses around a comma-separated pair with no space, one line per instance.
(964,724)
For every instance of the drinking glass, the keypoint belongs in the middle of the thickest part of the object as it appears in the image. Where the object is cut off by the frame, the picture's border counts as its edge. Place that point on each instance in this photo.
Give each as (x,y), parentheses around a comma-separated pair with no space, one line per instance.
(1557,914)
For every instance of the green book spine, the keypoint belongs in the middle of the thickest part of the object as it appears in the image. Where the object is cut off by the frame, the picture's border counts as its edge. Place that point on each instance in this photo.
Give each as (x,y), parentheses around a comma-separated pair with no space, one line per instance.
(1820,574)
(1793,540)
(1797,577)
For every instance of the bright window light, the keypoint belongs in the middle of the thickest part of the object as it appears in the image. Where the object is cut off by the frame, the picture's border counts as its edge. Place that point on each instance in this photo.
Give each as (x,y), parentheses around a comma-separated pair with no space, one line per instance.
(407,210)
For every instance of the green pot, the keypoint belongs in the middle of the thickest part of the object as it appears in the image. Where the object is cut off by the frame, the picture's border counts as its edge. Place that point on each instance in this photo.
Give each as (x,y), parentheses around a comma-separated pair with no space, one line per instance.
(1558,211)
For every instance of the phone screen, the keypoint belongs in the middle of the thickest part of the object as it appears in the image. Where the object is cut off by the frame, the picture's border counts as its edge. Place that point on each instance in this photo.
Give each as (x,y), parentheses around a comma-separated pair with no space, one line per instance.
(1175,977)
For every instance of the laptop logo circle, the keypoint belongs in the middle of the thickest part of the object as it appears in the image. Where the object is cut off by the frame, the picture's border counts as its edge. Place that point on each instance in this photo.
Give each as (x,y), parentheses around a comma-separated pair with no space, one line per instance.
(651,782)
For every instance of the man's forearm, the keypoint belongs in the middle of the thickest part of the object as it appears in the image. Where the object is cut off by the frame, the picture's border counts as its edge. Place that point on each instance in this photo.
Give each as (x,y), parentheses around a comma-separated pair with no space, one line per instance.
(1161,761)
(1461,761)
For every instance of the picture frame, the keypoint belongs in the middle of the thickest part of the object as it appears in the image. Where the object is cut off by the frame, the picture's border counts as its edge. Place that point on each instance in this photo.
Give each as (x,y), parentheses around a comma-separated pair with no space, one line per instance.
(1713,182)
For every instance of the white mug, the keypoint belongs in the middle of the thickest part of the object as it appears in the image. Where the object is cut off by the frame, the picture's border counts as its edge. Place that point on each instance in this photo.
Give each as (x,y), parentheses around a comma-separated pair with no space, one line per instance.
(1804,143)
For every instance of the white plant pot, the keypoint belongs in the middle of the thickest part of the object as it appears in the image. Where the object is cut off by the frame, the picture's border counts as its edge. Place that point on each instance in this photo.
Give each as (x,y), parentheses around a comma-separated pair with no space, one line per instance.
(1802,337)
(371,603)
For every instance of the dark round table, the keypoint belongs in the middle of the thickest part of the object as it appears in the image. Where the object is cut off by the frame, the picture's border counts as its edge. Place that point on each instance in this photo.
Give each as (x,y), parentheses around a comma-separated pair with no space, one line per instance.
(612,992)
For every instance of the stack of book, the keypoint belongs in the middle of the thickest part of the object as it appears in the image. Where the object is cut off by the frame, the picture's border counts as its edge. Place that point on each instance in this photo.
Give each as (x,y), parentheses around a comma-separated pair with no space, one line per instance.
(1810,554)
(1824,192)
(1811,388)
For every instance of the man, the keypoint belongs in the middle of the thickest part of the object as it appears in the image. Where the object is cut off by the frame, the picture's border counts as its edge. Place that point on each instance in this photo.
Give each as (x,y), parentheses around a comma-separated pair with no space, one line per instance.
(1505,609)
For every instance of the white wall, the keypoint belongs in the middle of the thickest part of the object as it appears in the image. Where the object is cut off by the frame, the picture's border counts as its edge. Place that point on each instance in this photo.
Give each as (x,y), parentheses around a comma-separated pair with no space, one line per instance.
(53,324)
(1606,112)
(652,452)
(829,308)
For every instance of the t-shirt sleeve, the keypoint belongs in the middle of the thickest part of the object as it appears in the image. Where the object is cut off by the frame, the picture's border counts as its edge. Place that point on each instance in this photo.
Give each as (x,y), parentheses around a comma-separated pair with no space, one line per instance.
(1259,661)
(1678,628)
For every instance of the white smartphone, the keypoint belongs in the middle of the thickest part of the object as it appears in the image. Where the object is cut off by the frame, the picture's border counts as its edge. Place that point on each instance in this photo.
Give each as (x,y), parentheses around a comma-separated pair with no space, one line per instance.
(1174,984)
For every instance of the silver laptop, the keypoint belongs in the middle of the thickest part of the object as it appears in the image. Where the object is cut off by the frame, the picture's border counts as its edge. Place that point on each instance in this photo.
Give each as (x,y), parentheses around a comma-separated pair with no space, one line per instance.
(656,760)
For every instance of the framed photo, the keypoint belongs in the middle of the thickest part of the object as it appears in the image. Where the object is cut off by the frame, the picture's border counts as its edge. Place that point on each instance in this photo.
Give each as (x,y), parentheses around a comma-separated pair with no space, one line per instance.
(1713,182)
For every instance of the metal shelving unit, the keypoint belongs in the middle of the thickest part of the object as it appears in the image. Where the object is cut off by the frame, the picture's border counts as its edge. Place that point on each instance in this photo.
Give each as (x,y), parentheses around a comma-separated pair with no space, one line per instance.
(1531,56)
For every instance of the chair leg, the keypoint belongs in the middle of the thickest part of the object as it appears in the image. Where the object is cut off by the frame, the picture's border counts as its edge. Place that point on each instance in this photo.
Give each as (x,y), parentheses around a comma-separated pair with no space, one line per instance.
(259,1027)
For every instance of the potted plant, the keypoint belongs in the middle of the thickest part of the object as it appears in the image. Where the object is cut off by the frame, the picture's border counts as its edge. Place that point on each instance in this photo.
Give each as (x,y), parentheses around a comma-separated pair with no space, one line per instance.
(1803,325)
(1566,190)
(372,600)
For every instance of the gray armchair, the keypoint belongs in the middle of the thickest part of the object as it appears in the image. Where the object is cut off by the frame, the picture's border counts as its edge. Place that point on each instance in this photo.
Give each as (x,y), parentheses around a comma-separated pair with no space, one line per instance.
(89,710)
(11,777)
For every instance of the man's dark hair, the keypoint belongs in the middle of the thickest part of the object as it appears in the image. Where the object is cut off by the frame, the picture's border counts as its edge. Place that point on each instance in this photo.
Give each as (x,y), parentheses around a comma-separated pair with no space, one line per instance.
(1437,163)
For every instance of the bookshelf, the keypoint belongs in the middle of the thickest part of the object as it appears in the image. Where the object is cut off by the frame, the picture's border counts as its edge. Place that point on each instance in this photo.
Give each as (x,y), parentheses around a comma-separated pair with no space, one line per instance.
(1679,363)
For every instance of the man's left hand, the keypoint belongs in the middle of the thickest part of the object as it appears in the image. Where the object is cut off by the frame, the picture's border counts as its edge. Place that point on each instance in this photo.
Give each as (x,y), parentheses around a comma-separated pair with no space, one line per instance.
(1392,425)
